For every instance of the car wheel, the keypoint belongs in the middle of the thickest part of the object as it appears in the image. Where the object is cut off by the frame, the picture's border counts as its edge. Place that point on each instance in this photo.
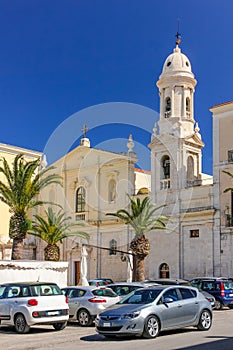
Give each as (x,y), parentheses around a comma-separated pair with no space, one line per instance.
(205,321)
(151,327)
(218,305)
(84,318)
(21,325)
(59,326)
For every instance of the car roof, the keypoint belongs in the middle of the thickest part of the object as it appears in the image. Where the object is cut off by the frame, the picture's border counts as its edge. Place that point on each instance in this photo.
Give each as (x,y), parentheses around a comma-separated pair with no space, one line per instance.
(126,284)
(86,287)
(208,278)
(169,281)
(26,284)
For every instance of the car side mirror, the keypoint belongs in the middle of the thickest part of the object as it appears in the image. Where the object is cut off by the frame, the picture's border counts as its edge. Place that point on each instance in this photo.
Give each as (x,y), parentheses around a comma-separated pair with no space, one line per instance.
(168,300)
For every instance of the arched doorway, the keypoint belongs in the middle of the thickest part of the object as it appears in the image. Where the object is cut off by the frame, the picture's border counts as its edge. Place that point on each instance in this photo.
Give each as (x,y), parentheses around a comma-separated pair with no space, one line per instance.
(164,271)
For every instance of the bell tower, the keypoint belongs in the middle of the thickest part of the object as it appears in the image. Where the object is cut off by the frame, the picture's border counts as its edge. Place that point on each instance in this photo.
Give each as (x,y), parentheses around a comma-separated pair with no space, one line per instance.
(176,89)
(176,146)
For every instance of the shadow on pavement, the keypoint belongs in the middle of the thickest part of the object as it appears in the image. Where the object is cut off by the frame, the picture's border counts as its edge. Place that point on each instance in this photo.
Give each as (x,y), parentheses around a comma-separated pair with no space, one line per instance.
(219,344)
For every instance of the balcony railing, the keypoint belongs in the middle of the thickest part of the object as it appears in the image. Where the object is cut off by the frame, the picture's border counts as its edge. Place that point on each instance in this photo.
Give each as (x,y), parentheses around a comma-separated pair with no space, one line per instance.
(165,184)
(167,114)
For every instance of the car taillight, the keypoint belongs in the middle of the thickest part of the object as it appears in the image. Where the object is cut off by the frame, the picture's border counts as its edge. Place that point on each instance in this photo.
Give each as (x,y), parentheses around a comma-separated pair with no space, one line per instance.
(97,300)
(32,302)
(222,289)
(35,314)
(67,300)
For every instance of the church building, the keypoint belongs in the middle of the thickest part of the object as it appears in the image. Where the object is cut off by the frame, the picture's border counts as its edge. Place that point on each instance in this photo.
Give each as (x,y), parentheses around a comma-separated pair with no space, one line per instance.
(96,182)
(198,238)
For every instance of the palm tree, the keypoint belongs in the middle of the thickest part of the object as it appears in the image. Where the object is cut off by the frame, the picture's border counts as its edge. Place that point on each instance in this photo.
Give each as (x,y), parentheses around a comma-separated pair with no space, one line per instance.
(19,189)
(141,219)
(53,230)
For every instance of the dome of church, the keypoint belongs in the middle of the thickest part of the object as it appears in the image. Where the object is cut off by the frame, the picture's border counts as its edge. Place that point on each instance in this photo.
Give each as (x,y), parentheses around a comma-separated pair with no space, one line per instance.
(176,62)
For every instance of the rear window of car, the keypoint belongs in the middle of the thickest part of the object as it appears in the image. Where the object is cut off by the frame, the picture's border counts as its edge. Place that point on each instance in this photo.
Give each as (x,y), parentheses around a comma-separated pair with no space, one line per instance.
(105,292)
(45,290)
(228,285)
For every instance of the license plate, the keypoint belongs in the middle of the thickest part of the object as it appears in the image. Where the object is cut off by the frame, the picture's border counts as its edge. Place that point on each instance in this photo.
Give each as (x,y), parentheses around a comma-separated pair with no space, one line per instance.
(107,324)
(52,313)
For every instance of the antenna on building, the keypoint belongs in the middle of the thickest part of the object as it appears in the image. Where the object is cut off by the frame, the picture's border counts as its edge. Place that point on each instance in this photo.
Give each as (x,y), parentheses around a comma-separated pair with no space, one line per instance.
(178,35)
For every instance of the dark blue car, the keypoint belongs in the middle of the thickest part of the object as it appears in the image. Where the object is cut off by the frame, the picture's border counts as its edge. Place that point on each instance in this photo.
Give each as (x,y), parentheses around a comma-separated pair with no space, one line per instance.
(220,288)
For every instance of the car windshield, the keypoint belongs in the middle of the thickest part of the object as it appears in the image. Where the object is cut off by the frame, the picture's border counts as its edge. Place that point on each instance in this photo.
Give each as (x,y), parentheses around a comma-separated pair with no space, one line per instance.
(2,288)
(141,296)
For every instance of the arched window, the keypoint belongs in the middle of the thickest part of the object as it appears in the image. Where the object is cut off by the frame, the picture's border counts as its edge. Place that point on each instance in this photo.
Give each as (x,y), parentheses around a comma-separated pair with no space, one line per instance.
(164,271)
(112,190)
(167,107)
(188,111)
(165,164)
(112,247)
(187,104)
(80,200)
(168,104)
(190,169)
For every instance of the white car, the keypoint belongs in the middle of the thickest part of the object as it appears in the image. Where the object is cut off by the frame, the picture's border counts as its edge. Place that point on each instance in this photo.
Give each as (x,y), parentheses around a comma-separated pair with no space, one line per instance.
(85,303)
(26,304)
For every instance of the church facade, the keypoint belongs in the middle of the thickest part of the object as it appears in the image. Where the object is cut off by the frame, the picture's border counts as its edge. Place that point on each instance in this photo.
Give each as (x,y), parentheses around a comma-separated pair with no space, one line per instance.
(198,238)
(190,245)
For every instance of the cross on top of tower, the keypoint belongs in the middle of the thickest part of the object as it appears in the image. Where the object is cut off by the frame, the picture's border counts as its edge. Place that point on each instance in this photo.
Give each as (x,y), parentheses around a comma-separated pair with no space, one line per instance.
(84,130)
(178,35)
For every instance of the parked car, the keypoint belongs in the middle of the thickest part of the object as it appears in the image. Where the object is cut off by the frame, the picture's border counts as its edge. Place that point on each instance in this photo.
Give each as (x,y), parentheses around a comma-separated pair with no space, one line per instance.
(169,281)
(94,280)
(97,282)
(147,311)
(124,288)
(220,288)
(86,302)
(179,281)
(26,304)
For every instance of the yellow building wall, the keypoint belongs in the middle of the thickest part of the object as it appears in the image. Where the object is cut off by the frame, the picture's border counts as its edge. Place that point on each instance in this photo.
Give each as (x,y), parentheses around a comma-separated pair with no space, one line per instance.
(9,152)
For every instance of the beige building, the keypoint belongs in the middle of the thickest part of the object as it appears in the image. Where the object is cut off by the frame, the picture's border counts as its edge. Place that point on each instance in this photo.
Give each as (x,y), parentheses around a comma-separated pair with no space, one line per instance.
(223,202)
(9,152)
(96,182)
(198,241)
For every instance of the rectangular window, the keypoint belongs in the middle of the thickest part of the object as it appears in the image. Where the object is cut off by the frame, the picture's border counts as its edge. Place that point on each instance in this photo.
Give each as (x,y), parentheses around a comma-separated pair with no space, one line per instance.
(230,156)
(194,233)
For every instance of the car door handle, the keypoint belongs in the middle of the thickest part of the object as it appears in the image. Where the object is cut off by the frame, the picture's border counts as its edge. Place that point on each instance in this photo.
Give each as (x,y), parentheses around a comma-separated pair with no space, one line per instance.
(179,305)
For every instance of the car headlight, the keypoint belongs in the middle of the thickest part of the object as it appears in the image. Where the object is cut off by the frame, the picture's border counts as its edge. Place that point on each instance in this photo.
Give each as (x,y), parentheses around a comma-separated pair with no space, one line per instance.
(130,315)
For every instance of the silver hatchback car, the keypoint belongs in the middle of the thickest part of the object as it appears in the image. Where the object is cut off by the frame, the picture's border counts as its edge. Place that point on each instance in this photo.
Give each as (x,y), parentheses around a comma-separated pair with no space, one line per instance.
(148,311)
(86,302)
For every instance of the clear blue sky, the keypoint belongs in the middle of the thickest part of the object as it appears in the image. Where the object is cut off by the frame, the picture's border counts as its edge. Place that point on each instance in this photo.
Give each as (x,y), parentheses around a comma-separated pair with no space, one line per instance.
(59,57)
